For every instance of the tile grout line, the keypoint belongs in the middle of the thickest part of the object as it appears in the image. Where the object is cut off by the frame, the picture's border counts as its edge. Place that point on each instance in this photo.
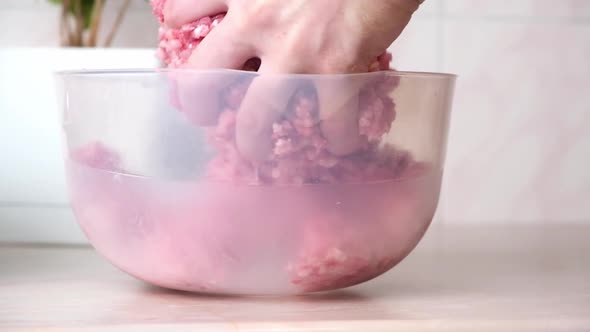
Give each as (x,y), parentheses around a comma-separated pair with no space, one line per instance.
(515,19)
(34,205)
(440,64)
(440,17)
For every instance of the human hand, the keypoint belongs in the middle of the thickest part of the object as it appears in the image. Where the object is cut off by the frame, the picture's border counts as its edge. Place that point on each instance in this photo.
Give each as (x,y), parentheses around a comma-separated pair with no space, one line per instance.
(299,36)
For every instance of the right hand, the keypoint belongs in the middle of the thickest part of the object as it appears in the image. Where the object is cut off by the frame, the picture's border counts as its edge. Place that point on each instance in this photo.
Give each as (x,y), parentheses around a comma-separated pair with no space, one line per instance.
(289,37)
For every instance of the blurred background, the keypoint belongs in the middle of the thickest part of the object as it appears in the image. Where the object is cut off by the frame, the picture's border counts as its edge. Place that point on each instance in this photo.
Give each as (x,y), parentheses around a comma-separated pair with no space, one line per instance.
(519,144)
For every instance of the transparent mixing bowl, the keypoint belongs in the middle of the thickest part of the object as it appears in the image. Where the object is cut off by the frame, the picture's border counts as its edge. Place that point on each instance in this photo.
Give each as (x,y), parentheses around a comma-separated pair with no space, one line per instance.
(317,182)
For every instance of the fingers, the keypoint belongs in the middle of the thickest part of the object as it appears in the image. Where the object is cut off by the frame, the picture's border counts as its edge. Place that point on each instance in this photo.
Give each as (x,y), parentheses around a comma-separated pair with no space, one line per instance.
(179,12)
(338,98)
(268,98)
(265,101)
(199,94)
(222,48)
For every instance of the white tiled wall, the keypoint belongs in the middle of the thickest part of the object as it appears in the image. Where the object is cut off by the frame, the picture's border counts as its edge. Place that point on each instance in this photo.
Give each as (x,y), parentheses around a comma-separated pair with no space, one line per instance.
(519,148)
(520,141)
(520,144)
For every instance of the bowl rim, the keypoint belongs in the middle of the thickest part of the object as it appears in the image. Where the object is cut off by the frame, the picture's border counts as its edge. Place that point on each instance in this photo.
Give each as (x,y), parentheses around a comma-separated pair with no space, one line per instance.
(151,71)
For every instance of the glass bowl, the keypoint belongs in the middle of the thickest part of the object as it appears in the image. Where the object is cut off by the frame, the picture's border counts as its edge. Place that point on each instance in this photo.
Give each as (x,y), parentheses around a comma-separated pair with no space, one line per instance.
(232,182)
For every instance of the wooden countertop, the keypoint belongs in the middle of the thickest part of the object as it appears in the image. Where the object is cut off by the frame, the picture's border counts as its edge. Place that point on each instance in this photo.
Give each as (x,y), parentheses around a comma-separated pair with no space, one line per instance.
(511,278)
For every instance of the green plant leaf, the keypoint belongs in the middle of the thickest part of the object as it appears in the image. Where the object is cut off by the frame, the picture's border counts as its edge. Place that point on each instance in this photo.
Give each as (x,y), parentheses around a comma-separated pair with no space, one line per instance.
(87,7)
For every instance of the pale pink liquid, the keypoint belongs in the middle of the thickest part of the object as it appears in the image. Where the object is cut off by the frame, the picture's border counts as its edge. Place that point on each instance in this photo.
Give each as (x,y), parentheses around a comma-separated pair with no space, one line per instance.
(226,238)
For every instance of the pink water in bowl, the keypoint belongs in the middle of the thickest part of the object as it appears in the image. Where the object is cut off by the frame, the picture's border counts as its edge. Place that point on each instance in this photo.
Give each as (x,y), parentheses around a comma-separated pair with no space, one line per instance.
(219,237)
